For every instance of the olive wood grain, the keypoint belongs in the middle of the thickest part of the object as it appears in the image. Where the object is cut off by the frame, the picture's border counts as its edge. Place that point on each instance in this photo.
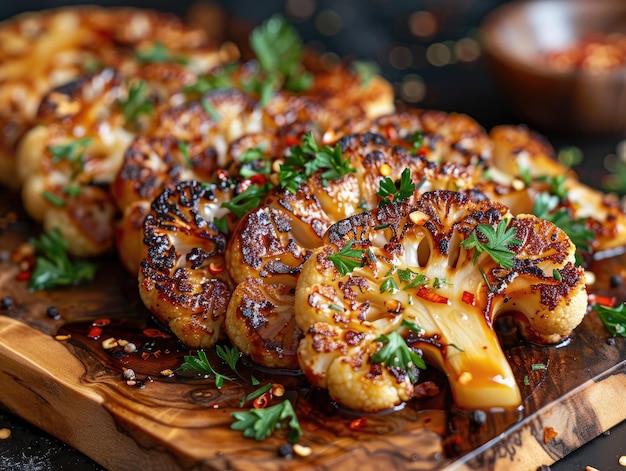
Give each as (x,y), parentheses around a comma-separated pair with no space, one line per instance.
(74,391)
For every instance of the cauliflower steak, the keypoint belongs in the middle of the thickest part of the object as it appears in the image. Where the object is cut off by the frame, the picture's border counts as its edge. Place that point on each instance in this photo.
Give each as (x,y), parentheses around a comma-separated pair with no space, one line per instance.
(432,277)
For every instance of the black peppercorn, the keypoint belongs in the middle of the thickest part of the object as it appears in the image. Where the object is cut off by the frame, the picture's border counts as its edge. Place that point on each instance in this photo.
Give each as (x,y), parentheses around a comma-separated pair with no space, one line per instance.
(615,280)
(285,450)
(53,313)
(6,302)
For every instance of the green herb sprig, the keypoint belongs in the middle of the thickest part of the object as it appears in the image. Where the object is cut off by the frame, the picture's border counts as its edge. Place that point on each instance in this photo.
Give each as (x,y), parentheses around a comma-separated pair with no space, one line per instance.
(247,200)
(347,259)
(496,245)
(613,318)
(388,190)
(261,423)
(307,158)
(200,364)
(395,353)
(53,267)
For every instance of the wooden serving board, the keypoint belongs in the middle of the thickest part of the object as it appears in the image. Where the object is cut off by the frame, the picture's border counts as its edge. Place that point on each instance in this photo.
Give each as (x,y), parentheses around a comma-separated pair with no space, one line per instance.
(74,390)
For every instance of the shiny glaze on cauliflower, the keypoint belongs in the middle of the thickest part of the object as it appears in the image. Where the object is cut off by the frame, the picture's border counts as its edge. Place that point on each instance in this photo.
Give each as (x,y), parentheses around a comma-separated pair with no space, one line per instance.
(411,273)
(43,50)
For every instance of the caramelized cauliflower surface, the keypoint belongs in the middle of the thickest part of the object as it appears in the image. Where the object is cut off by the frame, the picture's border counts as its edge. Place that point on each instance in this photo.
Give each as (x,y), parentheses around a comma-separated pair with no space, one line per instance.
(43,50)
(183,279)
(408,269)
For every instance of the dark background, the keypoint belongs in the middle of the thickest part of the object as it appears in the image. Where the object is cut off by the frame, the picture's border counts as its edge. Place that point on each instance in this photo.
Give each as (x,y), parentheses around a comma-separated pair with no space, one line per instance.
(378,30)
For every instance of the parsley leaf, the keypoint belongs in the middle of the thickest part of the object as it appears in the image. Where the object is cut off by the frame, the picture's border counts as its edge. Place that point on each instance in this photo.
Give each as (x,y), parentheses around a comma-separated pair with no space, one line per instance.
(400,191)
(137,103)
(347,259)
(261,423)
(310,158)
(365,71)
(278,49)
(496,245)
(200,365)
(221,79)
(613,318)
(74,152)
(231,356)
(389,286)
(556,184)
(53,267)
(247,200)
(395,353)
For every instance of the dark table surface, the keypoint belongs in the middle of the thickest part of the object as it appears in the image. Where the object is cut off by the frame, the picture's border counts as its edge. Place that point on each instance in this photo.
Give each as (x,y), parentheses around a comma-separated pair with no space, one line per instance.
(374,30)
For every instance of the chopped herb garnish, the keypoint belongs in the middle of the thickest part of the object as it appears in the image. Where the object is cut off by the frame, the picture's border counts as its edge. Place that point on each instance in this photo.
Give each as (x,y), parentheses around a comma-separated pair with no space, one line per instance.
(261,423)
(278,49)
(347,259)
(74,152)
(537,366)
(440,283)
(254,162)
(308,158)
(557,275)
(412,326)
(200,365)
(231,356)
(496,245)
(395,353)
(222,79)
(53,267)
(137,103)
(334,307)
(210,109)
(412,279)
(53,199)
(221,224)
(556,184)
(158,53)
(417,138)
(365,71)
(72,190)
(526,380)
(389,285)
(389,190)
(247,200)
(183,147)
(613,318)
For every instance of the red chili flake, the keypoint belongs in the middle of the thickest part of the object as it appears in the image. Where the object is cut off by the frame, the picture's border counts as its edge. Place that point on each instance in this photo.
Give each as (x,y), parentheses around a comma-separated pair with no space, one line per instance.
(391,132)
(222,175)
(292,140)
(263,400)
(258,179)
(607,301)
(469,298)
(214,405)
(24,275)
(101,322)
(429,295)
(95,332)
(216,267)
(422,152)
(145,355)
(155,333)
(358,424)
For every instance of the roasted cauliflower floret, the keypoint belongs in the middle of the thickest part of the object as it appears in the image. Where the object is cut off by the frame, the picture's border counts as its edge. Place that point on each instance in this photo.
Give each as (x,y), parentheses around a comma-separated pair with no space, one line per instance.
(434,275)
(183,279)
(535,182)
(273,240)
(43,50)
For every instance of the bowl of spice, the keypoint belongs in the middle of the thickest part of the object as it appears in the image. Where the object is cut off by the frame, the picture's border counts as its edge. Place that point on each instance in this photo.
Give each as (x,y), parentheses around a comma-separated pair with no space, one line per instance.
(561,63)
